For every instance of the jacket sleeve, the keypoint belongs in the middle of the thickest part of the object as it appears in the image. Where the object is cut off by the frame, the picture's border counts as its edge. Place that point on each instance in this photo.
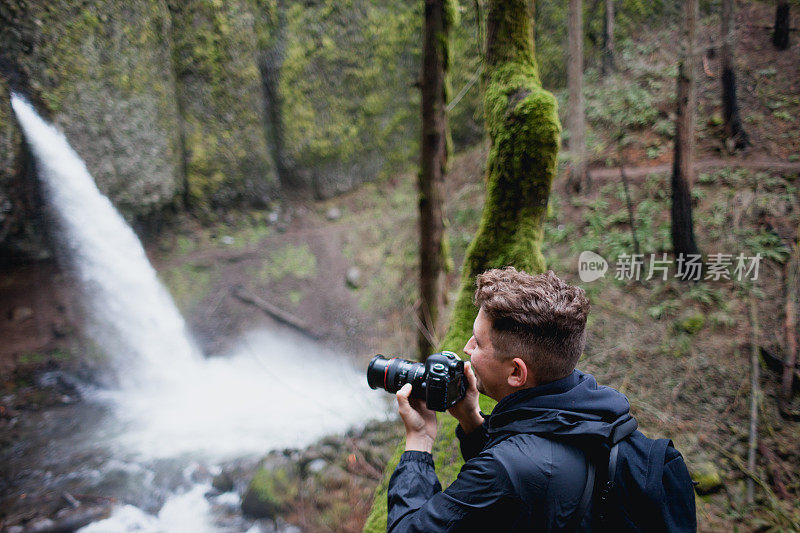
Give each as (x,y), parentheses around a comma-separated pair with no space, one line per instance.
(474,443)
(481,497)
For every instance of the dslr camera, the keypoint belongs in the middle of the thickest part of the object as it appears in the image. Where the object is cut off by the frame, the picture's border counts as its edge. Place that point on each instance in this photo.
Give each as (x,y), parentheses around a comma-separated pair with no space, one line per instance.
(439,380)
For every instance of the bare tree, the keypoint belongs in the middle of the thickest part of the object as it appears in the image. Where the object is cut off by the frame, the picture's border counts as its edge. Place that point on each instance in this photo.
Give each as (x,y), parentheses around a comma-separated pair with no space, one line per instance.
(433,165)
(780,35)
(734,131)
(683,241)
(608,39)
(576,114)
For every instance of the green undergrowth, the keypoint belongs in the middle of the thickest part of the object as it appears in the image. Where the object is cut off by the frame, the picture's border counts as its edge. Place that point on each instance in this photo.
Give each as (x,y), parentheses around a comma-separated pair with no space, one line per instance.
(295,260)
(188,283)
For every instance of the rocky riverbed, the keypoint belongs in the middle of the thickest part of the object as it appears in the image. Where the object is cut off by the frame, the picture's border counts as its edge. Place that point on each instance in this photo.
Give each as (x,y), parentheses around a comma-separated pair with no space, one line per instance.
(53,481)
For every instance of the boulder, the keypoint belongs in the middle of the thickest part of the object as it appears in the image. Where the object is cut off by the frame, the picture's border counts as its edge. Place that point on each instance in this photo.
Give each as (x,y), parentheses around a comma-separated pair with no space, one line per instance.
(353,277)
(223,482)
(707,477)
(271,491)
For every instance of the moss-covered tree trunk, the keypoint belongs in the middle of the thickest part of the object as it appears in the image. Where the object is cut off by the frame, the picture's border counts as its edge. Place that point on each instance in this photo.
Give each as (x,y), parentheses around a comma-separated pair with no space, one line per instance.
(522,121)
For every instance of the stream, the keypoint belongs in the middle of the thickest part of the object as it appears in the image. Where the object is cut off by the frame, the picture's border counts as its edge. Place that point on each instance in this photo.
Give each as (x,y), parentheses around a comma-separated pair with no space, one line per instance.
(149,441)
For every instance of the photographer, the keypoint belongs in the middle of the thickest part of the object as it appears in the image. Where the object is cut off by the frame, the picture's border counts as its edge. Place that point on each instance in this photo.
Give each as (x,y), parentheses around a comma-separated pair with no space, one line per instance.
(527,465)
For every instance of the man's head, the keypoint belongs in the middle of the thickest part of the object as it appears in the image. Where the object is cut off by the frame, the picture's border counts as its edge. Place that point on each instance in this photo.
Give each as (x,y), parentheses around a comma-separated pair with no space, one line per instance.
(530,330)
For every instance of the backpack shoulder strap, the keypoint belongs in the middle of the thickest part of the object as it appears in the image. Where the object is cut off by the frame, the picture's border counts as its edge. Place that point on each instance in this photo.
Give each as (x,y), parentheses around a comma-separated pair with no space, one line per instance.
(583,505)
(619,433)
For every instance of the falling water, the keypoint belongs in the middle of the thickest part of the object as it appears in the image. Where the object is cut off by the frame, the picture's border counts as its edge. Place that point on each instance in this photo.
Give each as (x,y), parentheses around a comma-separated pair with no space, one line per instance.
(133,316)
(273,390)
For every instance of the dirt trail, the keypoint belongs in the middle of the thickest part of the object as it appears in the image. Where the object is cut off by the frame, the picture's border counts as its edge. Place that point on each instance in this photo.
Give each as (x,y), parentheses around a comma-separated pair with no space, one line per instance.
(702,164)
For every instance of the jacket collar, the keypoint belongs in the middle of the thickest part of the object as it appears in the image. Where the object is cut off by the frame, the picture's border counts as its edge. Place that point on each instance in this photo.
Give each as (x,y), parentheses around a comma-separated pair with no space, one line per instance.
(521,397)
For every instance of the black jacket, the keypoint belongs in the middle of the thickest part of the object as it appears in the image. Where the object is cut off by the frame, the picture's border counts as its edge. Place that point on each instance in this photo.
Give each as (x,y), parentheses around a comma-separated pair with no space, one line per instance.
(514,479)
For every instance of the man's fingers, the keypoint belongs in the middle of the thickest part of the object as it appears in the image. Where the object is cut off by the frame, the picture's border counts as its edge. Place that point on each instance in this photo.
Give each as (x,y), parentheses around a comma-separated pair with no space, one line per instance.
(405,391)
(472,381)
(402,398)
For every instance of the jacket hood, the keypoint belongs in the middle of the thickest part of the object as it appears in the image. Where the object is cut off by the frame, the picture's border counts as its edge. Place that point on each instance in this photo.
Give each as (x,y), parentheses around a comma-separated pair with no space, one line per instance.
(574,409)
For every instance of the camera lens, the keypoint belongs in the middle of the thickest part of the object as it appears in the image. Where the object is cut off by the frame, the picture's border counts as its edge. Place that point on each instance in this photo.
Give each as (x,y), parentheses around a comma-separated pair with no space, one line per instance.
(392,374)
(376,372)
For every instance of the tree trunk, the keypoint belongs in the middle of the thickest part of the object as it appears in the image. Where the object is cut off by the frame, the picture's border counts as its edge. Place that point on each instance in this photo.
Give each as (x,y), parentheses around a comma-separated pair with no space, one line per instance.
(734,131)
(608,40)
(683,241)
(576,117)
(780,35)
(522,121)
(270,63)
(431,177)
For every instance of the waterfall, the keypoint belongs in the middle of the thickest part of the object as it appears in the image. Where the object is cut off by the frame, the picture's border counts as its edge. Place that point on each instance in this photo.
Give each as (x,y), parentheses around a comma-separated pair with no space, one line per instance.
(131,315)
(273,390)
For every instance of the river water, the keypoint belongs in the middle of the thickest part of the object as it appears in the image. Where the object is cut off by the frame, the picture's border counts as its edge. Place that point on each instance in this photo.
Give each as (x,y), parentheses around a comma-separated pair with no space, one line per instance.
(152,439)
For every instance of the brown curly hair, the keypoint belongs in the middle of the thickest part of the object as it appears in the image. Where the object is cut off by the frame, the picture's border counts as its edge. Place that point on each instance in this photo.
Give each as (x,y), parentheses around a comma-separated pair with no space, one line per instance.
(540,319)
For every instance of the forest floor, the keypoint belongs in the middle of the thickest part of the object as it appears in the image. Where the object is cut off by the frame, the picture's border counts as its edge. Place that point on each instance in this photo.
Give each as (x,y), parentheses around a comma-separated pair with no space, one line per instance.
(346,269)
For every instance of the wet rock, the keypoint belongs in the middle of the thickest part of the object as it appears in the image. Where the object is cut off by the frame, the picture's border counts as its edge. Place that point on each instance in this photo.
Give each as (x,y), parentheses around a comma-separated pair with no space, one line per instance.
(223,482)
(282,526)
(353,277)
(41,525)
(270,491)
(334,478)
(316,466)
(61,330)
(20,313)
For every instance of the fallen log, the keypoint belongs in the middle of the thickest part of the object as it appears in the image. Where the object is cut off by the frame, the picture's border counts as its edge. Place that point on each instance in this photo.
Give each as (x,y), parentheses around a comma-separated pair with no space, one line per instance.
(275,312)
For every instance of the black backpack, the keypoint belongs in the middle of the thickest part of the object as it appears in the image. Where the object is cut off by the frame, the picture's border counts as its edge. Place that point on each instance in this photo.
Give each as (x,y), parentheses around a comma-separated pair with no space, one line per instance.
(645,487)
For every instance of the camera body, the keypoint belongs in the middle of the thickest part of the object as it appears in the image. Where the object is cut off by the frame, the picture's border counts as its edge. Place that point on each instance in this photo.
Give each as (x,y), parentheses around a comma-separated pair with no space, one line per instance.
(439,380)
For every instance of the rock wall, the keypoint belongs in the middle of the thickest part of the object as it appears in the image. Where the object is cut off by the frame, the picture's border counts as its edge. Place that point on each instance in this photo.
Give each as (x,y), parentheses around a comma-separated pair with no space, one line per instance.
(212,103)
(103,71)
(221,102)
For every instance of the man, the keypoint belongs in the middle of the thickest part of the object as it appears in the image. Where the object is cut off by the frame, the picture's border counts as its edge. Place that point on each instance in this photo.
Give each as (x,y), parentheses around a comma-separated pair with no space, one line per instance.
(526,466)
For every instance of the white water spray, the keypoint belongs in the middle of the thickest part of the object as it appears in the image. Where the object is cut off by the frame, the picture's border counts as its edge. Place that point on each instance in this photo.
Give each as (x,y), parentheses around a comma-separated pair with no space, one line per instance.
(273,391)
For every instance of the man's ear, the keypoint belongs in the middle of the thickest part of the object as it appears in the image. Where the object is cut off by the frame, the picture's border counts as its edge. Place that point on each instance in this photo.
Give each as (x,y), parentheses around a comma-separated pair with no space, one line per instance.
(518,373)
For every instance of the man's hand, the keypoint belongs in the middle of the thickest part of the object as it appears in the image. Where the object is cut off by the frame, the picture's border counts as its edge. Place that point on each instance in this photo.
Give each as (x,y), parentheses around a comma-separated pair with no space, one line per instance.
(420,421)
(468,411)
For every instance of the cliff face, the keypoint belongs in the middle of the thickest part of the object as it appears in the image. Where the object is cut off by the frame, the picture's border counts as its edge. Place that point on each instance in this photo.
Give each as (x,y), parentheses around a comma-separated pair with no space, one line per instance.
(102,69)
(220,96)
(212,103)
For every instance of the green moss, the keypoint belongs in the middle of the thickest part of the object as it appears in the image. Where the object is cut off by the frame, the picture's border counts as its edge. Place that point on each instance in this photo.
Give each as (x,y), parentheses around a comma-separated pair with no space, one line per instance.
(522,120)
(707,477)
(220,96)
(35,358)
(270,491)
(188,283)
(103,70)
(692,324)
